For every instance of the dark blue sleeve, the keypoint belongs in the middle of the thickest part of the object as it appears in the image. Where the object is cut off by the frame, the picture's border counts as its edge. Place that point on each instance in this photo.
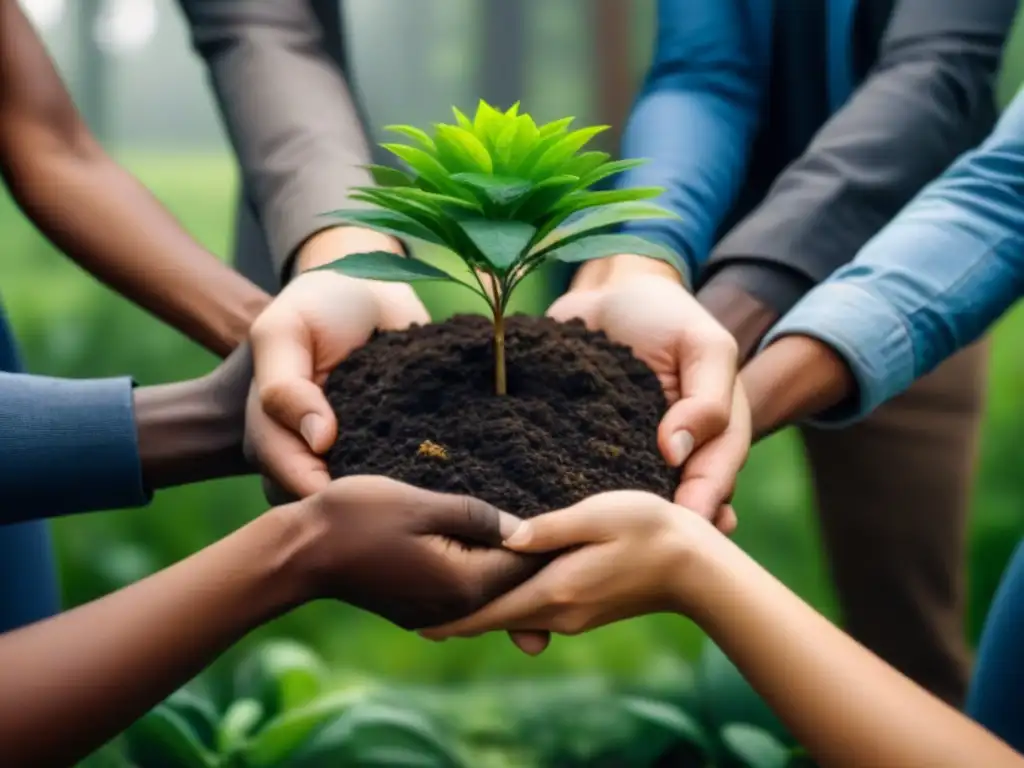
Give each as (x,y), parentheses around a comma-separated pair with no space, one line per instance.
(697,116)
(67,446)
(996,696)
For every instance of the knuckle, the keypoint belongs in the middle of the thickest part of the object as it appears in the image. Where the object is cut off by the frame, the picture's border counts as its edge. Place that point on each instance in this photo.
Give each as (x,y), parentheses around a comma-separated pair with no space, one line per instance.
(573,623)
(275,397)
(559,596)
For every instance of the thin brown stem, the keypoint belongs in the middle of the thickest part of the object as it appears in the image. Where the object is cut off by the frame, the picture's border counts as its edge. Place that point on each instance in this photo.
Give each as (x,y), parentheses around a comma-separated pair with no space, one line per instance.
(500,383)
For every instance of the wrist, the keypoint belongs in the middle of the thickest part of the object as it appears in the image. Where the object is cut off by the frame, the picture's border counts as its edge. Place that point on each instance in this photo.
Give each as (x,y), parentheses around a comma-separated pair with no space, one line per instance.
(614,270)
(793,378)
(292,536)
(335,243)
(702,569)
(193,430)
(744,316)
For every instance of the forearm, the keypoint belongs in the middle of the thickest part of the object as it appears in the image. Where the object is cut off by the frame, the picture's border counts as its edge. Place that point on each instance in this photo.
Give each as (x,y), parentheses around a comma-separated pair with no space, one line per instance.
(96,212)
(73,682)
(696,117)
(112,226)
(795,378)
(288,110)
(933,82)
(845,705)
(193,431)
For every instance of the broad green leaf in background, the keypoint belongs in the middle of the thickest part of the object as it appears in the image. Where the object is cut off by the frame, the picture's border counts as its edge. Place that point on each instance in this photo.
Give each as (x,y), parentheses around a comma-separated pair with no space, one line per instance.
(281,736)
(281,675)
(199,712)
(238,724)
(369,735)
(755,747)
(163,739)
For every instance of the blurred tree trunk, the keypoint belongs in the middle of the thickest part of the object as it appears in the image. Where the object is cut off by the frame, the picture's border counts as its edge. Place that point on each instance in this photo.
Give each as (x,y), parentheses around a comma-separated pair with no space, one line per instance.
(610,26)
(503,51)
(90,74)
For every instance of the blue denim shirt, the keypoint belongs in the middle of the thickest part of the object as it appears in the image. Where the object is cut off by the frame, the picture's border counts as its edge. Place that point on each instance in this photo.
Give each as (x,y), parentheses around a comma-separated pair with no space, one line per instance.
(930,282)
(700,108)
(66,445)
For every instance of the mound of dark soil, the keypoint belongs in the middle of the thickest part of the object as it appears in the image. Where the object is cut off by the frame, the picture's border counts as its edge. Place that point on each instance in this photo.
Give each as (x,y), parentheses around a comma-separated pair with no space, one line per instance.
(580,416)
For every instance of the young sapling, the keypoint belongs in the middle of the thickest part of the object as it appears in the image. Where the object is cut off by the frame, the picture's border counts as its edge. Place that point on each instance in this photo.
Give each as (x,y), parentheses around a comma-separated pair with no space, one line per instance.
(505,195)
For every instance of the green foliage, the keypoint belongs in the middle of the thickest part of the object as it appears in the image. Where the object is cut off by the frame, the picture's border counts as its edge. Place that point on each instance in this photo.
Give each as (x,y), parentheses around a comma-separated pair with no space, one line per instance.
(566,724)
(499,191)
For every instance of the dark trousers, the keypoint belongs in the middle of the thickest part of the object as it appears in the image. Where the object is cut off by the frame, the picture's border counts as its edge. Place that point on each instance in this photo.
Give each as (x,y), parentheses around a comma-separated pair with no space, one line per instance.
(893,496)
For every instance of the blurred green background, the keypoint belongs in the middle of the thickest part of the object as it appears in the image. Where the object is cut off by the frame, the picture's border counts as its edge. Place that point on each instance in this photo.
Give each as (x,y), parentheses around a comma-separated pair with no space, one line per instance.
(71,326)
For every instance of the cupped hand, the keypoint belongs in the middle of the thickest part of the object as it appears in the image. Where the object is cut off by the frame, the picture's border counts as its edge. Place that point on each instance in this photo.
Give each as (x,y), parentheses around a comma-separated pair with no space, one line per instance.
(624,554)
(315,322)
(694,357)
(415,557)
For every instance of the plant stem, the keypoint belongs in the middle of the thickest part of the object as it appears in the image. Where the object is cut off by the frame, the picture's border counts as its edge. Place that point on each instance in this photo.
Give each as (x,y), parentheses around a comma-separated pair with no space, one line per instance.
(500,384)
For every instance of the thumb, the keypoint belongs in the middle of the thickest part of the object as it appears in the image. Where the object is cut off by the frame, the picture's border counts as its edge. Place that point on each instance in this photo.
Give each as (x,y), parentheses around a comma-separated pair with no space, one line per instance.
(300,406)
(571,527)
(466,518)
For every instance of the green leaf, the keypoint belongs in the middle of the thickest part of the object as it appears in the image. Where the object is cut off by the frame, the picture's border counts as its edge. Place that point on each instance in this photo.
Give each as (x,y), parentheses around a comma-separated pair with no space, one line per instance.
(669,718)
(497,190)
(598,220)
(755,747)
(198,711)
(460,150)
(545,195)
(502,243)
(272,746)
(526,138)
(461,119)
(428,216)
(585,163)
(433,200)
(605,170)
(389,222)
(558,154)
(386,176)
(513,110)
(163,739)
(579,201)
(280,675)
(488,123)
(239,723)
(555,127)
(425,165)
(419,136)
(601,246)
(370,735)
(386,266)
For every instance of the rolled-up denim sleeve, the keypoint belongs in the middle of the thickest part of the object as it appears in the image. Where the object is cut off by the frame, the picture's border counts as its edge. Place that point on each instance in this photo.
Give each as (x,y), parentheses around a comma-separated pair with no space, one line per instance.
(932,281)
(67,446)
(697,116)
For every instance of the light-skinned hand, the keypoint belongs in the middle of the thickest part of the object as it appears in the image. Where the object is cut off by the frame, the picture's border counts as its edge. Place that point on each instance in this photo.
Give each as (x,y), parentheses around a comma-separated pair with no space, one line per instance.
(623,554)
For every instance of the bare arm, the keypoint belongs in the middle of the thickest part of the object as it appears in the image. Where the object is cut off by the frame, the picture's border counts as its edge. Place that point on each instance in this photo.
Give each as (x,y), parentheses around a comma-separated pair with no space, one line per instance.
(99,215)
(845,705)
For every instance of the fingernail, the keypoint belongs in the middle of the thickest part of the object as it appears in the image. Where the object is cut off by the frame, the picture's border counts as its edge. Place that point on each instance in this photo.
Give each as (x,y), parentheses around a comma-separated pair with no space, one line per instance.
(310,427)
(520,536)
(680,445)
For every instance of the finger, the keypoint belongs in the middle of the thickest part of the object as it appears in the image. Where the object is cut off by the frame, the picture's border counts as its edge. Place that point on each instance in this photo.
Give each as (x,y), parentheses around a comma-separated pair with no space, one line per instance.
(275,494)
(709,477)
(287,461)
(702,412)
(300,406)
(578,525)
(465,518)
(531,643)
(284,369)
(726,520)
(519,609)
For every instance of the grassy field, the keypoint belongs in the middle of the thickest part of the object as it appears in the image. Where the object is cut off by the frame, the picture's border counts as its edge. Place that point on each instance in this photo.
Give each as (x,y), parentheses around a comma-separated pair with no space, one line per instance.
(71,326)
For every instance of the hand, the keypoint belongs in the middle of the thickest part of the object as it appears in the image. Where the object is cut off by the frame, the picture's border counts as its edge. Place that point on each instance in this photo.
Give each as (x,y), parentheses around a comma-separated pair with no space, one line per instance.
(314,324)
(415,557)
(693,356)
(626,553)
